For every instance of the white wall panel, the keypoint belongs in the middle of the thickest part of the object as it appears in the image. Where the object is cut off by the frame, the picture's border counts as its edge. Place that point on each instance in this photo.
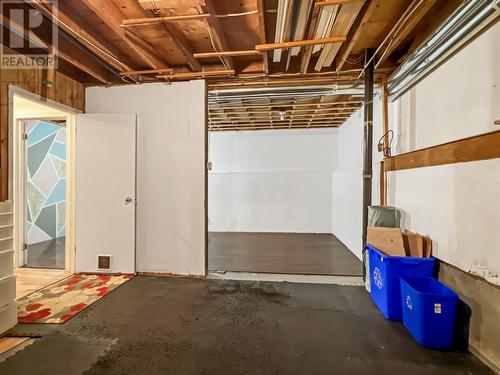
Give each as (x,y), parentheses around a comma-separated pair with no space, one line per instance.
(347,212)
(170,170)
(457,205)
(458,100)
(272,181)
(270,202)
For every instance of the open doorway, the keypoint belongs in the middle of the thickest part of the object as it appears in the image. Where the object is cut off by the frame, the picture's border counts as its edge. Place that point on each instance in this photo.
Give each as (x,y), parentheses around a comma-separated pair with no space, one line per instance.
(273,157)
(41,187)
(45,193)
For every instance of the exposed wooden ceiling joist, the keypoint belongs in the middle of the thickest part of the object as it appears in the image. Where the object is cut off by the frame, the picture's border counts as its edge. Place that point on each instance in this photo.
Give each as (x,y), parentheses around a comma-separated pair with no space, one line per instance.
(82,66)
(76,58)
(345,18)
(203,55)
(277,127)
(289,110)
(65,22)
(113,17)
(284,104)
(326,3)
(307,51)
(131,73)
(160,17)
(194,75)
(328,111)
(216,32)
(216,35)
(299,43)
(406,29)
(275,114)
(359,25)
(262,33)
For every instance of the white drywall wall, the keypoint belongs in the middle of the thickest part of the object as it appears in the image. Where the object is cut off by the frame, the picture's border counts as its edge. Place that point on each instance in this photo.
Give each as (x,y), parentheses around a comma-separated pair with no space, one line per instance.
(347,212)
(272,181)
(457,205)
(170,170)
(458,100)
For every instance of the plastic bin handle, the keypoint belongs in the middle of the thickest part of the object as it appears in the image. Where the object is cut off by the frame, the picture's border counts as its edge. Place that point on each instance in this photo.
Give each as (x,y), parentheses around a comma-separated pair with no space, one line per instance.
(414,261)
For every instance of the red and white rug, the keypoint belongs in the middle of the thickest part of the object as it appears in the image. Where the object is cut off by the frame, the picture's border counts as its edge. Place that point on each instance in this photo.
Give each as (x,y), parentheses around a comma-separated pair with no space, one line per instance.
(61,301)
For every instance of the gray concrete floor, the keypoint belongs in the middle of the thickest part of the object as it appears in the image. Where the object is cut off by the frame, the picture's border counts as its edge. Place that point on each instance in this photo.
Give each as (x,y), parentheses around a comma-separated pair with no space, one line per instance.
(47,254)
(154,325)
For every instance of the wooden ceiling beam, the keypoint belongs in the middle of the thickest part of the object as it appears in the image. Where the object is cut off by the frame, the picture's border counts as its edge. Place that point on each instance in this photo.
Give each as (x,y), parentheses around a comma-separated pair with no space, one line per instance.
(182,43)
(75,58)
(112,17)
(132,73)
(148,21)
(274,113)
(343,23)
(82,66)
(278,123)
(262,33)
(326,3)
(357,28)
(276,108)
(330,111)
(271,128)
(283,26)
(65,22)
(307,51)
(172,32)
(272,125)
(216,32)
(406,29)
(203,55)
(299,43)
(277,115)
(207,73)
(278,104)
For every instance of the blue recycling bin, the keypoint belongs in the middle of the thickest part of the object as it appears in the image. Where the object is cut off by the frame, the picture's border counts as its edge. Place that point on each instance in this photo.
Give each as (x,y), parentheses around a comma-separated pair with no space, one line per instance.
(385,271)
(429,309)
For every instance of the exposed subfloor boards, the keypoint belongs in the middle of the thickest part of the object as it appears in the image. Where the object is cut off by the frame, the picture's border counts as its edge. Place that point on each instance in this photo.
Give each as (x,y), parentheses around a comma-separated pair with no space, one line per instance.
(281,253)
(155,325)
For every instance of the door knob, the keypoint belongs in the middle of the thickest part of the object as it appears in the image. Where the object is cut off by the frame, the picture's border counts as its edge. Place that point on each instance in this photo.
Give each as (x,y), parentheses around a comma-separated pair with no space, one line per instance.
(128,200)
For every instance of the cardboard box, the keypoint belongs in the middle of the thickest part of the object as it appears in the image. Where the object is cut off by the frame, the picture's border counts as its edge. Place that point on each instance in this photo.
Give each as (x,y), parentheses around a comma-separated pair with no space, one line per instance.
(393,242)
(387,240)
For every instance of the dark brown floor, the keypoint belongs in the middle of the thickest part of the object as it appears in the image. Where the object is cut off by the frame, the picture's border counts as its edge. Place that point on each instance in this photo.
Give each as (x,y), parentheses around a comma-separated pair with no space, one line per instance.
(163,326)
(47,254)
(287,253)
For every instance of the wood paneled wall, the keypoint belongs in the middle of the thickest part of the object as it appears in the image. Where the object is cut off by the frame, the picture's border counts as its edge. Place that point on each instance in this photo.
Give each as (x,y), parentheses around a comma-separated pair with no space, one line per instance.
(65,90)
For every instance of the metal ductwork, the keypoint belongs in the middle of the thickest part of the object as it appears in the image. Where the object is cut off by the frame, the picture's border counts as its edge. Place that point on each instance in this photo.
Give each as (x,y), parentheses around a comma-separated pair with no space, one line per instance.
(470,18)
(216,95)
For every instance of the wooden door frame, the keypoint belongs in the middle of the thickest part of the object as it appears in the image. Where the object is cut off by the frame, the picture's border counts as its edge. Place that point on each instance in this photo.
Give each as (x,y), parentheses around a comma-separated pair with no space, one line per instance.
(15,189)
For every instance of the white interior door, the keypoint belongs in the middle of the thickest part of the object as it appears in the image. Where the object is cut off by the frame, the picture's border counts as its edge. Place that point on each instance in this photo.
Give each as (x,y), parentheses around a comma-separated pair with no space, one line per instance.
(105,191)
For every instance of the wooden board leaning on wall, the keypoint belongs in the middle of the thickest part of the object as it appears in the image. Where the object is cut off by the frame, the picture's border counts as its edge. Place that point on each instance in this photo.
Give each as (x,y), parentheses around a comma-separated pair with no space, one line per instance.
(479,147)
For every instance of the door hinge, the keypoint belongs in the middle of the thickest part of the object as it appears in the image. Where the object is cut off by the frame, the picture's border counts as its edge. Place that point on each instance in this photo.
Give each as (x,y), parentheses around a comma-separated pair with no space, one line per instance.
(25,136)
(25,246)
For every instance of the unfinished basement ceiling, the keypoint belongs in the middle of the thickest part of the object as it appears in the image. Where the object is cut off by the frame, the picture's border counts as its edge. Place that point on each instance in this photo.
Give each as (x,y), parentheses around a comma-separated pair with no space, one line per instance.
(284,108)
(233,42)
